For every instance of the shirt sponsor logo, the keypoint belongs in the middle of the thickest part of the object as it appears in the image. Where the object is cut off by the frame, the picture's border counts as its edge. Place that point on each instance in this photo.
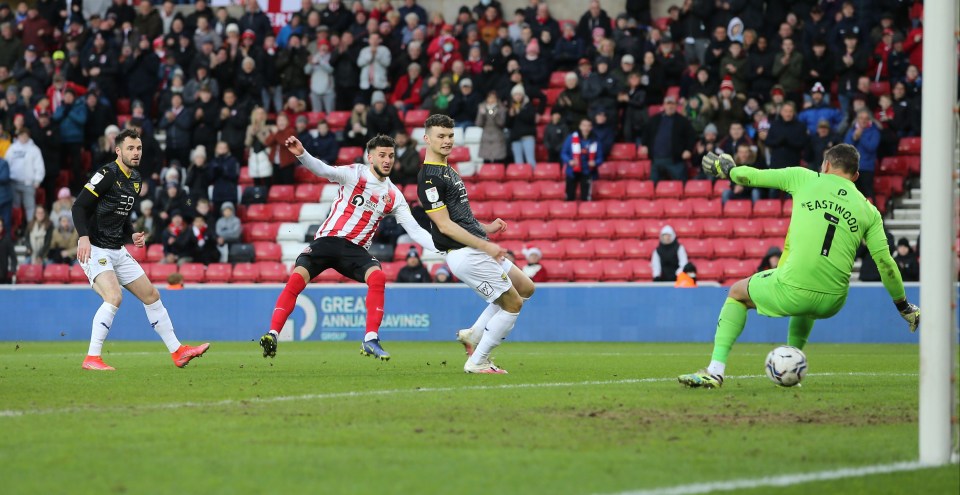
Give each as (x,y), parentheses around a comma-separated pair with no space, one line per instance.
(97,177)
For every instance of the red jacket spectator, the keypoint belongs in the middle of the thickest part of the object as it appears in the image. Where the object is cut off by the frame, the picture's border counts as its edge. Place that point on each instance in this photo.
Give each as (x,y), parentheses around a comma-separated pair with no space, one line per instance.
(913,45)
(407,92)
(55,95)
(881,55)
(488,28)
(36,31)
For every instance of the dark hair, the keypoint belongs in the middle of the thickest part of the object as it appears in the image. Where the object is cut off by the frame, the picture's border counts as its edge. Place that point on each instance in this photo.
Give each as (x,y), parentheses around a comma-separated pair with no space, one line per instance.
(845,157)
(124,134)
(438,120)
(380,141)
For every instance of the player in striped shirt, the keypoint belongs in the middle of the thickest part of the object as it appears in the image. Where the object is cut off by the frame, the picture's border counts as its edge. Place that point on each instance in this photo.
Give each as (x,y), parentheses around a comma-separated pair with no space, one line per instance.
(366,196)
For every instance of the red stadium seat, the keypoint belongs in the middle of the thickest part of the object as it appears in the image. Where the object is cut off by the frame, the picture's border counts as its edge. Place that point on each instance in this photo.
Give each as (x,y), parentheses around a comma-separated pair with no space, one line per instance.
(496,191)
(912,163)
(879,88)
(194,273)
(154,253)
(330,276)
(748,228)
(415,118)
(482,210)
(562,210)
(138,253)
(728,248)
(286,212)
(642,271)
(787,208)
(338,120)
(56,274)
(767,208)
(619,209)
(558,79)
(686,228)
(552,94)
(402,249)
(600,229)
(653,110)
(576,249)
(548,171)
(348,155)
(677,209)
(410,193)
(493,172)
(709,271)
(755,249)
(507,210)
(551,190)
(534,210)
(638,189)
(519,171)
(558,271)
(737,208)
(459,154)
(893,165)
(652,228)
(314,118)
(640,251)
(698,249)
(308,193)
(644,208)
(705,208)
(738,269)
(587,271)
(608,190)
(245,179)
(623,151)
(542,230)
(718,228)
(720,186)
(698,189)
(909,146)
(616,271)
(245,273)
(219,273)
(77,276)
(523,191)
(261,231)
(888,186)
(673,91)
(610,169)
(643,153)
(159,272)
(267,251)
(609,250)
(570,229)
(591,209)
(281,194)
(301,175)
(551,249)
(669,189)
(639,169)
(271,271)
(628,229)
(258,213)
(390,270)
(775,227)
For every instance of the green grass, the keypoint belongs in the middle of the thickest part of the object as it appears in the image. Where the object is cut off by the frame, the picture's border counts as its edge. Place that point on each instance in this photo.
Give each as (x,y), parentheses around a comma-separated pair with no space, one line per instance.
(419,425)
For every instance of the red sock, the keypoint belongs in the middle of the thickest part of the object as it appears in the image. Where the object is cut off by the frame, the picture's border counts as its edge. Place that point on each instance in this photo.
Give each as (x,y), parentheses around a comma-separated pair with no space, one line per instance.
(287,301)
(375,285)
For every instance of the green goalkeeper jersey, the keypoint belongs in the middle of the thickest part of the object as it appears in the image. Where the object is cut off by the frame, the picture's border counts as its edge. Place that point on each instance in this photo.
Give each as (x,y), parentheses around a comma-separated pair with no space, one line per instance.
(830,218)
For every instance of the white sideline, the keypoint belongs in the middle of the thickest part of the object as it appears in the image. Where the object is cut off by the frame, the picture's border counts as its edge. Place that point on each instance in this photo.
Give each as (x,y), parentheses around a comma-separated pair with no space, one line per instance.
(13,413)
(782,480)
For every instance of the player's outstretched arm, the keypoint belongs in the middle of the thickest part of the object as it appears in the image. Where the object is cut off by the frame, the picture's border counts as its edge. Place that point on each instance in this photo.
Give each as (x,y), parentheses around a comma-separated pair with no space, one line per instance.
(449,228)
(410,225)
(313,164)
(890,274)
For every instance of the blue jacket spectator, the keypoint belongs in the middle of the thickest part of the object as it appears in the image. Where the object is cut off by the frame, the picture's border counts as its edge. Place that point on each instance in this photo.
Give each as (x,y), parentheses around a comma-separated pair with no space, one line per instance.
(224,173)
(321,143)
(819,110)
(604,131)
(866,138)
(581,157)
(255,20)
(72,117)
(410,6)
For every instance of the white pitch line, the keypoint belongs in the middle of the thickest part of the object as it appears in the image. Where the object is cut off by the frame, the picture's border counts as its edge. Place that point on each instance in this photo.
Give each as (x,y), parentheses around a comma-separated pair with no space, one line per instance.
(12,413)
(782,480)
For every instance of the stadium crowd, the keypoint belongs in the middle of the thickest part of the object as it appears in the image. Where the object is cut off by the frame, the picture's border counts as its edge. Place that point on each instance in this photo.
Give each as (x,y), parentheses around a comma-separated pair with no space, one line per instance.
(773,82)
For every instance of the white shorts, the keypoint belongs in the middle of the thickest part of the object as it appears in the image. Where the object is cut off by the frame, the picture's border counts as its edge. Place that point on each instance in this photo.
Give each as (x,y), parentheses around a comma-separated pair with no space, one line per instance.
(479,271)
(118,261)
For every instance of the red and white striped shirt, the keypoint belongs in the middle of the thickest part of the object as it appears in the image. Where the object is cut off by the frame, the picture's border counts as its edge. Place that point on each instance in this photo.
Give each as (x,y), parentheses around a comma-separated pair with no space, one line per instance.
(362,201)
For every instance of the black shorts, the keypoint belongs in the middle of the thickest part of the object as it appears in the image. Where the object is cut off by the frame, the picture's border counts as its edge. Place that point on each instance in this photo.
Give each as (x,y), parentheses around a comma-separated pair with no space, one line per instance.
(351,260)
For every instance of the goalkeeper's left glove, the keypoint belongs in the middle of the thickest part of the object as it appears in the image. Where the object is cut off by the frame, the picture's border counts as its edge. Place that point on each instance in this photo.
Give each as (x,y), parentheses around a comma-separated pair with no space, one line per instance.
(909,312)
(716,165)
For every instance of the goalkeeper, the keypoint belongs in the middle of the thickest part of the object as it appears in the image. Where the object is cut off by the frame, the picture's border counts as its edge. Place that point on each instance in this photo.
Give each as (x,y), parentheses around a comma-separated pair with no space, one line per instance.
(829,220)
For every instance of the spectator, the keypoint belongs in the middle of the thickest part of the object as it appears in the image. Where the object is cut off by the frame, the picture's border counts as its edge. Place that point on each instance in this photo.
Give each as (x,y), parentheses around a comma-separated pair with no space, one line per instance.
(554,135)
(291,64)
(850,65)
(464,104)
(760,68)
(492,117)
(200,243)
(26,171)
(535,69)
(175,239)
(787,138)
(6,200)
(568,49)
(727,107)
(322,92)
(11,48)
(669,257)
(223,174)
(147,222)
(283,161)
(818,110)
(175,281)
(770,260)
(178,123)
(382,118)
(104,149)
(906,112)
(321,143)
(734,139)
(346,72)
(63,242)
(669,138)
(818,64)
(62,207)
(407,164)
(670,61)
(601,88)
(604,132)
(443,276)
(228,230)
(255,20)
(594,17)
(374,60)
(907,261)
(570,102)
(821,140)
(414,272)
(866,138)
(141,69)
(148,21)
(734,66)
(522,122)
(788,69)
(581,157)
(687,279)
(30,71)
(8,254)
(868,267)
(37,236)
(47,138)
(439,102)
(410,6)
(708,143)
(533,268)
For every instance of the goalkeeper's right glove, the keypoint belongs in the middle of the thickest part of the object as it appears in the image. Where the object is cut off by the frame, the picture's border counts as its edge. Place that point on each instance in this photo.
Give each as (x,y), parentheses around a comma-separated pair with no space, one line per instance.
(717,165)
(909,312)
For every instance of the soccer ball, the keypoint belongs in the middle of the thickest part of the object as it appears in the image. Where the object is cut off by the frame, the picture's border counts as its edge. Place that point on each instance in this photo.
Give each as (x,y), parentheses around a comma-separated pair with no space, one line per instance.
(786,365)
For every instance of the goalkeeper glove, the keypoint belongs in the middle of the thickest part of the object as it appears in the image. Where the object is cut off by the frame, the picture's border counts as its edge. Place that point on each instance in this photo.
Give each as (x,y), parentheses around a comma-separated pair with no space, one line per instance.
(910,313)
(717,165)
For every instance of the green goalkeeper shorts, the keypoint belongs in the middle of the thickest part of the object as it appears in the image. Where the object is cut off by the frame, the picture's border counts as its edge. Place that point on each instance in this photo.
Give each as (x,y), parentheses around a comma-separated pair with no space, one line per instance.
(774,298)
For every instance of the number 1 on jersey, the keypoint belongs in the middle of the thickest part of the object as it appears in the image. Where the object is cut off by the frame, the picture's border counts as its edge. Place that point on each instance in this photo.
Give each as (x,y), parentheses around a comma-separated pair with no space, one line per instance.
(828,237)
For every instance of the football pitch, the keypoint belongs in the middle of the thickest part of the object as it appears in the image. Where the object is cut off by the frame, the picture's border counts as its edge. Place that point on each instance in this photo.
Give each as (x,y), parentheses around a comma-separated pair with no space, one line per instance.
(570,418)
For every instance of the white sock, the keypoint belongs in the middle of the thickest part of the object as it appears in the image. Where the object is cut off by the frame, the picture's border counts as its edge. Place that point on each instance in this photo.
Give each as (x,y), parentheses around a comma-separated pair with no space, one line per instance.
(102,321)
(160,320)
(497,330)
(716,368)
(476,331)
(367,337)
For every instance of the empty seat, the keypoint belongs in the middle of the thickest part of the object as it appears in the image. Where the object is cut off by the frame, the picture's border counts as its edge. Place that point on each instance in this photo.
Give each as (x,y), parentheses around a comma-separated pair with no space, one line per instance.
(709,271)
(281,194)
(720,186)
(767,208)
(491,172)
(909,146)
(403,248)
(587,271)
(570,229)
(616,271)
(77,276)
(718,228)
(516,231)
(258,213)
(271,271)
(599,229)
(495,191)
(787,208)
(628,229)
(669,189)
(473,135)
(638,189)
(285,212)
(775,227)
(562,210)
(308,193)
(676,209)
(159,272)
(686,228)
(219,273)
(737,269)
(698,189)
(415,118)
(56,274)
(615,190)
(261,231)
(314,212)
(609,250)
(194,273)
(267,251)
(507,210)
(245,273)
(591,209)
(642,272)
(533,210)
(482,210)
(459,154)
(698,249)
(619,209)
(552,190)
(893,165)
(548,172)
(623,151)
(748,228)
(644,208)
(558,79)
(154,253)
(518,171)
(301,175)
(348,155)
(755,249)
(728,248)
(523,191)
(738,208)
(542,230)
(639,169)
(338,120)
(138,253)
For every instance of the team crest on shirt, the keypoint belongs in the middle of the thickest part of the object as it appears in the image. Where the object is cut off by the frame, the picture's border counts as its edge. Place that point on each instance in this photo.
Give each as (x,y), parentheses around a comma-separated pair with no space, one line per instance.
(433,195)
(136,186)
(102,261)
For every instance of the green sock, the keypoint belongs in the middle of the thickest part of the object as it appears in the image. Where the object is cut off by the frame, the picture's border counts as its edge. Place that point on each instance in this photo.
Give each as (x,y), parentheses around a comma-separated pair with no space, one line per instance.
(733,316)
(799,330)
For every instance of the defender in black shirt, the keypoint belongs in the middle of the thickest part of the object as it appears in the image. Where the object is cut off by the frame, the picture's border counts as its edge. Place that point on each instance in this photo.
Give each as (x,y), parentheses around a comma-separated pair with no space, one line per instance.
(472,257)
(101,214)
